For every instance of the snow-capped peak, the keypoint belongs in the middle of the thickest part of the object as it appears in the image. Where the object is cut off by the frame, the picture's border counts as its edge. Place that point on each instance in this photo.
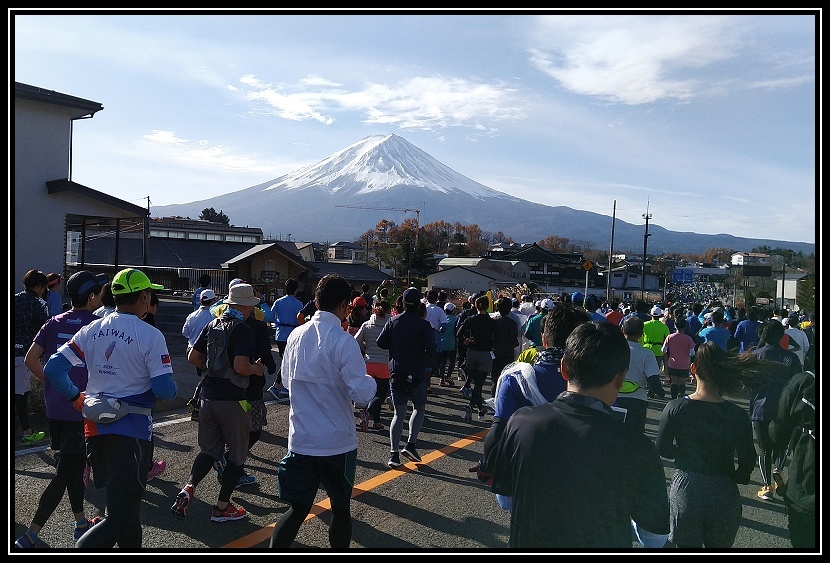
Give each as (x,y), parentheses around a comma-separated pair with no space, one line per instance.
(377,163)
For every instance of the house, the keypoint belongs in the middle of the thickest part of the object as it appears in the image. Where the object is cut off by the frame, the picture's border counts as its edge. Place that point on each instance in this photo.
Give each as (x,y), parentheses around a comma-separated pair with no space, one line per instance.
(627,284)
(49,208)
(787,290)
(468,280)
(267,266)
(346,252)
(469,262)
(550,270)
(750,259)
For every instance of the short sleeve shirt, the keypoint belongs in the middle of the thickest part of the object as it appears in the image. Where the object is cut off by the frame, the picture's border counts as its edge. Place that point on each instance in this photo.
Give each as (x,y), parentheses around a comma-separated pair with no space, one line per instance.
(122,354)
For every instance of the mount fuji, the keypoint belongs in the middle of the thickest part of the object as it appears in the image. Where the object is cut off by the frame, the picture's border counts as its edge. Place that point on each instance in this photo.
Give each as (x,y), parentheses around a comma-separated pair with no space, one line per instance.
(386,171)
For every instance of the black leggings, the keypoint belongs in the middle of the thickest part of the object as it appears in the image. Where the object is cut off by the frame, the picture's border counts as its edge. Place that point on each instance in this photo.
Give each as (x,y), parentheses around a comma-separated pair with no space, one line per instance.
(21,408)
(68,438)
(119,464)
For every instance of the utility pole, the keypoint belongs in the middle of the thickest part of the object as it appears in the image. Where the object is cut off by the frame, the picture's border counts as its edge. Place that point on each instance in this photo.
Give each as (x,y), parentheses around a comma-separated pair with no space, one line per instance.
(646,216)
(610,255)
(144,253)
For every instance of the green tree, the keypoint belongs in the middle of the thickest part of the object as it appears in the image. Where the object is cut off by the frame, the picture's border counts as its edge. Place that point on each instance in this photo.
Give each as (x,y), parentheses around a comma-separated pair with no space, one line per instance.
(210,214)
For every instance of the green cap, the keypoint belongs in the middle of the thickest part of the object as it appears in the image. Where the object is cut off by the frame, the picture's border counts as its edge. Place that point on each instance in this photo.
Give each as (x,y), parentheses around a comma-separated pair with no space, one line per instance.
(629,387)
(130,280)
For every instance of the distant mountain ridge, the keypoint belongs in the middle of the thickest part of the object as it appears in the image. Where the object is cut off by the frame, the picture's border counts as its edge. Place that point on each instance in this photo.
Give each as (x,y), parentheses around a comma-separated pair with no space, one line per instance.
(386,171)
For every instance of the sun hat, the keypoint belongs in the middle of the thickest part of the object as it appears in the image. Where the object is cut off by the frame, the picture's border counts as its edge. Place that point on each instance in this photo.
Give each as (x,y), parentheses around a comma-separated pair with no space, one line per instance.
(448,306)
(359,301)
(242,294)
(577,297)
(84,281)
(130,280)
(547,304)
(656,311)
(235,281)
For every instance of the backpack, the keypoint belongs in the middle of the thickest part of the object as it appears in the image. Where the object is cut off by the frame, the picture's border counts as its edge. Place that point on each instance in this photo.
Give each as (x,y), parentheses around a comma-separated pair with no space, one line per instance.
(217,362)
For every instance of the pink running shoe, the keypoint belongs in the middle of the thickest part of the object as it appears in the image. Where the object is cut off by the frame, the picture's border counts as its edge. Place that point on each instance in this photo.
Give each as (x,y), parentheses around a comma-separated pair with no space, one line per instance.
(157,469)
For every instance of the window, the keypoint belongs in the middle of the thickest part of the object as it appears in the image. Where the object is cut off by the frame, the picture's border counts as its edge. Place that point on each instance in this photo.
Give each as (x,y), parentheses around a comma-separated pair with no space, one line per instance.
(270,264)
(213,236)
(250,238)
(233,238)
(158,233)
(197,236)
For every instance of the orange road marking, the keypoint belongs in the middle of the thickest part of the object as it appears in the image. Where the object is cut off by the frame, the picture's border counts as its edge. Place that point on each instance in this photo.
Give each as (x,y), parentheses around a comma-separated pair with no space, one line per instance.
(264,534)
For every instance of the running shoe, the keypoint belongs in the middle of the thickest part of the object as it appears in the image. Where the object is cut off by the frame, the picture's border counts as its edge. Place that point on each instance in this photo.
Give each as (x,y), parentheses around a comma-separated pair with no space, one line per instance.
(377,427)
(282,397)
(765,492)
(410,452)
(230,512)
(157,469)
(182,502)
(246,479)
(274,392)
(25,542)
(394,459)
(467,392)
(482,413)
(33,437)
(78,532)
(779,485)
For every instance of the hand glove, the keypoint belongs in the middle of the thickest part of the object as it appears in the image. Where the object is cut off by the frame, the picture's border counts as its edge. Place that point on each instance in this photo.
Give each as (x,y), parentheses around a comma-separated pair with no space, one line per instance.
(655,386)
(483,475)
(78,403)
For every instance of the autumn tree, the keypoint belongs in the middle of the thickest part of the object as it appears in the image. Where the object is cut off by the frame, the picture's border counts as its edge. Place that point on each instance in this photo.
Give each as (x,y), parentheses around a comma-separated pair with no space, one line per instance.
(555,244)
(718,255)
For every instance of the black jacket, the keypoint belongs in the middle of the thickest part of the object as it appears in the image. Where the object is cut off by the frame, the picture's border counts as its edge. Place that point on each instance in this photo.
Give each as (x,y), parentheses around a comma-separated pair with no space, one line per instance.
(796,415)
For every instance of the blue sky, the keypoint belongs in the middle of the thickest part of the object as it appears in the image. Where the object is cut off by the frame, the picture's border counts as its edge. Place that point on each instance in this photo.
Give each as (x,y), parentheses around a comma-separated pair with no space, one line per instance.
(706,120)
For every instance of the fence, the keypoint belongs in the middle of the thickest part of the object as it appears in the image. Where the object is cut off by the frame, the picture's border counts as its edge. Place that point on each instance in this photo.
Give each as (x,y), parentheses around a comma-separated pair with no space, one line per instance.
(176,281)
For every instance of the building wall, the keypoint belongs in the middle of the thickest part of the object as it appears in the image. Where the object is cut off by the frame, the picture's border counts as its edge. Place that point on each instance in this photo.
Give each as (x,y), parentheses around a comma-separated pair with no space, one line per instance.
(457,278)
(42,145)
(41,153)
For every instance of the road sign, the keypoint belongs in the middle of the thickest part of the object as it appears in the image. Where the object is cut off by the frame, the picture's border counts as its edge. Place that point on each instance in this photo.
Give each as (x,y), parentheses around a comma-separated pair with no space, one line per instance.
(587,265)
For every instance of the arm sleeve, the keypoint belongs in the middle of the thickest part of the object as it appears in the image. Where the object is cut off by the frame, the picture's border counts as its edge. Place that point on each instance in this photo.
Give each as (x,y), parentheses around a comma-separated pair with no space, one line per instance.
(56,371)
(164,387)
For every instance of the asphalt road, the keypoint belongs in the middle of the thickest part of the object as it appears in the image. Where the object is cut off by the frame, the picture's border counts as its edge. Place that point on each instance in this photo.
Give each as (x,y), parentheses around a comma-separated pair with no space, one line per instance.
(435,505)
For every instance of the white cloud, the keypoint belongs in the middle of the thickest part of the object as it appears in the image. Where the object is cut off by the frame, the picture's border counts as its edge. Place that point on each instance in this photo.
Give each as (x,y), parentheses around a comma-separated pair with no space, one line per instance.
(165,137)
(633,59)
(425,103)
